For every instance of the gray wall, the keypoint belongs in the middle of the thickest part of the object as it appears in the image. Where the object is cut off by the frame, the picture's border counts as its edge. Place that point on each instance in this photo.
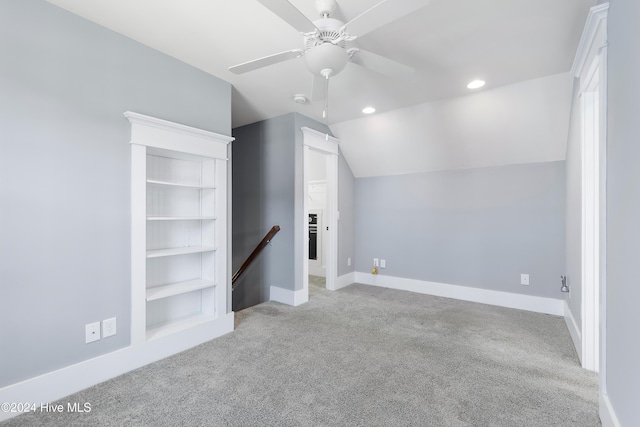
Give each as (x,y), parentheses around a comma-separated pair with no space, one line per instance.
(64,176)
(473,227)
(267,180)
(622,349)
(263,196)
(347,221)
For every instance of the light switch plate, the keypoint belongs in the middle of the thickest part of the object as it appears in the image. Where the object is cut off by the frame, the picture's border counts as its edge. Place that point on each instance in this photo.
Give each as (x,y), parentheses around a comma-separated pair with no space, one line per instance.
(92,332)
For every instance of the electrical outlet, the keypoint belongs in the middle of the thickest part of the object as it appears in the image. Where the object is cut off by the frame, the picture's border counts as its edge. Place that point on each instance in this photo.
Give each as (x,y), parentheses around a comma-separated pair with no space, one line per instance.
(376,262)
(109,327)
(383,263)
(348,262)
(524,279)
(91,332)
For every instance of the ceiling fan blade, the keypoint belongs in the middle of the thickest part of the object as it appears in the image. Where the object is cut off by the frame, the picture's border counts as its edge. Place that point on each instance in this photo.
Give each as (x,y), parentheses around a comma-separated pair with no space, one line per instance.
(290,14)
(382,13)
(267,60)
(380,64)
(318,92)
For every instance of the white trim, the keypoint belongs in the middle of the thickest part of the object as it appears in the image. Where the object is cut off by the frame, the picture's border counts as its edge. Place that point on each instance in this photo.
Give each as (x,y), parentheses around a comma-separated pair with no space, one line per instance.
(574,330)
(608,416)
(57,384)
(466,293)
(603,218)
(287,296)
(327,145)
(320,141)
(151,131)
(345,280)
(150,135)
(317,270)
(301,257)
(590,219)
(590,67)
(597,15)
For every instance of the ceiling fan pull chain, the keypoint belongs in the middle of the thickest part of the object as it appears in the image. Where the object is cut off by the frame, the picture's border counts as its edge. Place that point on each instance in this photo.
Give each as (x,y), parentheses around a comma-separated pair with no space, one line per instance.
(325,113)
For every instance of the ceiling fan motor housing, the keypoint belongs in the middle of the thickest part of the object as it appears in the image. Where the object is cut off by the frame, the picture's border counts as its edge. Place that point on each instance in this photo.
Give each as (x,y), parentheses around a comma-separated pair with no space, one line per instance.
(325,52)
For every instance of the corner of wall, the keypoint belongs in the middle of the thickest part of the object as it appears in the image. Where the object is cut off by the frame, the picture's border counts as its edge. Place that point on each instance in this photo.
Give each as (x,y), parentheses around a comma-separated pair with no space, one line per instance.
(574,329)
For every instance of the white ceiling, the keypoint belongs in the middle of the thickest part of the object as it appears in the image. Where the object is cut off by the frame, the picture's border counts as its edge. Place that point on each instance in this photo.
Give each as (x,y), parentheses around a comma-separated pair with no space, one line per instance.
(521,123)
(448,43)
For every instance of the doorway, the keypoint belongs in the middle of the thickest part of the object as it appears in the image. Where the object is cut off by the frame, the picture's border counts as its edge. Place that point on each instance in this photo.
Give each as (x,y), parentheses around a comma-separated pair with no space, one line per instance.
(320,154)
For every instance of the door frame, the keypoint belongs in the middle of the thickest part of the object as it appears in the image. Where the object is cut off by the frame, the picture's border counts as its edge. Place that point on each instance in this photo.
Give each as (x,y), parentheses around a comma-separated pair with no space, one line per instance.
(590,67)
(327,145)
(592,223)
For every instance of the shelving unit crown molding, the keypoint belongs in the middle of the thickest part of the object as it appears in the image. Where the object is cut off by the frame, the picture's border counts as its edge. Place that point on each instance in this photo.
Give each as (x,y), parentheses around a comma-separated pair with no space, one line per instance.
(166,135)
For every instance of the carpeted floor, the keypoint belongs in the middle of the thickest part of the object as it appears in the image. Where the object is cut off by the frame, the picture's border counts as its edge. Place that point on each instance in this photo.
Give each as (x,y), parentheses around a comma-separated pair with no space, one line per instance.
(361,356)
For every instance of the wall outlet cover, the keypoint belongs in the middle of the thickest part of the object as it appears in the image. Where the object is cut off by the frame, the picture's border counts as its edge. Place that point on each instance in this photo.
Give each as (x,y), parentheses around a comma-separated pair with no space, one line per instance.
(524,279)
(109,327)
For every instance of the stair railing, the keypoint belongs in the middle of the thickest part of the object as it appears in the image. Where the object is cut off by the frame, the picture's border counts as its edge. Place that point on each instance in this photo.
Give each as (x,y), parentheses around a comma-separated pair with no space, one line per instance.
(264,242)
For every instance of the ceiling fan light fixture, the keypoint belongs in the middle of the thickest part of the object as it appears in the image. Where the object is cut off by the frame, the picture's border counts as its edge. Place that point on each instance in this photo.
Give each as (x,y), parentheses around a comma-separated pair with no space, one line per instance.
(368,110)
(326,58)
(476,84)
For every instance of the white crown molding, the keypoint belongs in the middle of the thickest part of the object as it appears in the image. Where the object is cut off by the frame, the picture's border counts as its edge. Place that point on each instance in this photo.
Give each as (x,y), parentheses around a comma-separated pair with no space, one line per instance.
(166,135)
(594,32)
(141,119)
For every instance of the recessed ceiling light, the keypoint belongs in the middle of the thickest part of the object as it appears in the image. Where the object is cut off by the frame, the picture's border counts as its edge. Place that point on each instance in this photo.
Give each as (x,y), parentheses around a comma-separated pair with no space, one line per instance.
(368,110)
(476,84)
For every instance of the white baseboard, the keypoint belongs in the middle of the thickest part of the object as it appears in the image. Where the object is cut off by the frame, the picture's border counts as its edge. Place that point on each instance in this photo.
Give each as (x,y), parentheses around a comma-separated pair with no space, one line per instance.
(345,280)
(574,330)
(317,270)
(63,382)
(607,414)
(287,296)
(465,293)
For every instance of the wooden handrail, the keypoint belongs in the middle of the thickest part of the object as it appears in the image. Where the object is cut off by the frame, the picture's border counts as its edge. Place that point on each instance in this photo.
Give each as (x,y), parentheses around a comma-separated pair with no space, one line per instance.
(267,238)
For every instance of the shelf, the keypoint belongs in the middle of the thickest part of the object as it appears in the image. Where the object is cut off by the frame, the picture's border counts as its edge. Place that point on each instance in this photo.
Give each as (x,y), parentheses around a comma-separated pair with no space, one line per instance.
(176,184)
(179,325)
(181,218)
(179,242)
(165,291)
(179,251)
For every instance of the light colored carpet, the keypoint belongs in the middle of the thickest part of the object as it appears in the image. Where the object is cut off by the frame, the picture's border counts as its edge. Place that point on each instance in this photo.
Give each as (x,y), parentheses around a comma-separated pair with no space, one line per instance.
(361,356)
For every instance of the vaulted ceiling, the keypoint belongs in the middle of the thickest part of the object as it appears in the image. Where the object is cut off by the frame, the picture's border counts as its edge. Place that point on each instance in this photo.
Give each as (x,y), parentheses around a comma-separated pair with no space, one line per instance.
(448,43)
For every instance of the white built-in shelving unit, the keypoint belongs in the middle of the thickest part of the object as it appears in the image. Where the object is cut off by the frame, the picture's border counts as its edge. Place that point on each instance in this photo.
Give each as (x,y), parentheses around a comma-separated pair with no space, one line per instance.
(179,227)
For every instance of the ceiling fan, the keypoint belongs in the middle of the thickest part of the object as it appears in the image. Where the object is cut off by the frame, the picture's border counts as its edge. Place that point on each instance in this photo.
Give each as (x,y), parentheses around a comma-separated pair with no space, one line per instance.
(326,41)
